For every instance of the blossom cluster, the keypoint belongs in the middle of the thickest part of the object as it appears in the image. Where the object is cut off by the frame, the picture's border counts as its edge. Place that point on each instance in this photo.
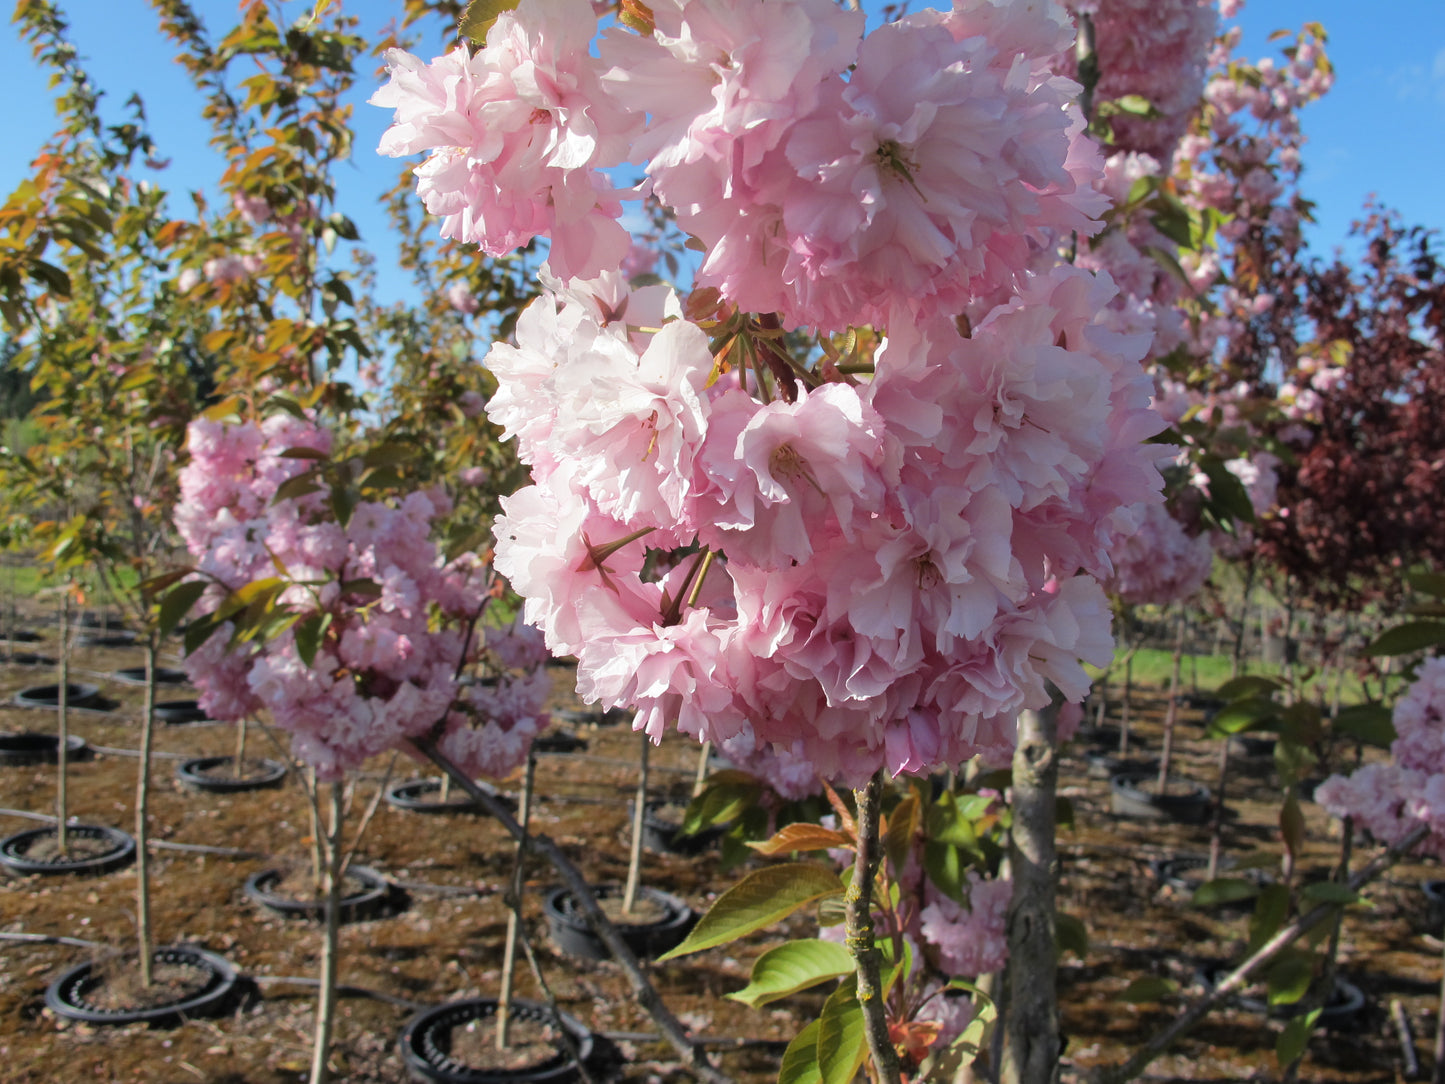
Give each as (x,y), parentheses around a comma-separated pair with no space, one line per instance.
(827,176)
(969,939)
(1389,800)
(1155,50)
(388,618)
(876,573)
(863,570)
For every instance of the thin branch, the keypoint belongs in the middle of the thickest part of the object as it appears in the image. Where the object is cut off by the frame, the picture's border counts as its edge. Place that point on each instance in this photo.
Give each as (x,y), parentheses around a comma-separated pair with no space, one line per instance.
(647,996)
(1236,979)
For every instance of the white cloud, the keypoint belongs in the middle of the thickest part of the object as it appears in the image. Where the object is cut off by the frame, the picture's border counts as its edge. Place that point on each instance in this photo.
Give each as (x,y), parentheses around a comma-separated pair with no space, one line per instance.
(1418,83)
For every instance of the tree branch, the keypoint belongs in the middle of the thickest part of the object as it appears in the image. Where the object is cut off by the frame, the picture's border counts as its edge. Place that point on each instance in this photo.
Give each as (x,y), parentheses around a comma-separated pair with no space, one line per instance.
(647,996)
(1130,1069)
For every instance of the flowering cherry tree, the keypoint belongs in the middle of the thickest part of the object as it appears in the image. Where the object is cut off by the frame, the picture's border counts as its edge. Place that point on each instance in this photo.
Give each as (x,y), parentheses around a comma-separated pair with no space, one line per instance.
(857,491)
(370,628)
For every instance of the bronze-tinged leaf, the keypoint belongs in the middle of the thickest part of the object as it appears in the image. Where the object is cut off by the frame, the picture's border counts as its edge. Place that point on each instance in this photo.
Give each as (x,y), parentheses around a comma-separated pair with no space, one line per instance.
(636,15)
(792,838)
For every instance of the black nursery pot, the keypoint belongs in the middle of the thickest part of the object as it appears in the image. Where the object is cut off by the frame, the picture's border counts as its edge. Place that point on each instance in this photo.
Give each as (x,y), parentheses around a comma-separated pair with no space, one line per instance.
(178,712)
(196,773)
(1434,905)
(573,936)
(120,852)
(27,747)
(662,836)
(1252,746)
(426,1045)
(136,675)
(422,796)
(77,695)
(557,740)
(367,895)
(69,995)
(1340,1010)
(1185,873)
(1131,795)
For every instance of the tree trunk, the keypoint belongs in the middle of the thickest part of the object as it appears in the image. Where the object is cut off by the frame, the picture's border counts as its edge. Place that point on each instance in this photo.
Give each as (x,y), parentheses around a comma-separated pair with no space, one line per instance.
(238,761)
(62,724)
(1238,661)
(639,812)
(858,901)
(142,816)
(1171,713)
(1216,826)
(1437,1074)
(514,914)
(1031,1046)
(326,997)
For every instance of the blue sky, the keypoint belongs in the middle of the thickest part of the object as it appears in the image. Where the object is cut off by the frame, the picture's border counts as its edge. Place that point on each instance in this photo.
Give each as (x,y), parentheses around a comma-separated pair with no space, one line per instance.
(1380,130)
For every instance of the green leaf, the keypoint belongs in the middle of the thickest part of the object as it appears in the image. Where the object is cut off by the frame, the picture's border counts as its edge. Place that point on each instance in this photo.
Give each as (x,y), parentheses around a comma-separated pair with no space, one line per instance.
(152,587)
(1429,583)
(1142,189)
(945,869)
(1247,714)
(794,966)
(1293,761)
(1224,890)
(1330,892)
(198,632)
(1292,824)
(1070,935)
(832,911)
(343,503)
(1290,975)
(1136,105)
(178,602)
(286,403)
(945,823)
(800,1060)
(1295,1038)
(362,587)
(903,825)
(309,632)
(842,1036)
(248,595)
(1270,911)
(721,802)
(1302,723)
(389,454)
(1227,495)
(478,17)
(1370,723)
(294,488)
(761,898)
(303,453)
(1409,637)
(1063,812)
(1148,988)
(1253,685)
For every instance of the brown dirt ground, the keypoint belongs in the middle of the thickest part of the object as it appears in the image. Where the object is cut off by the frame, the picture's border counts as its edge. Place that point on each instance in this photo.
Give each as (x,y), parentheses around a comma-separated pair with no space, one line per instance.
(447,943)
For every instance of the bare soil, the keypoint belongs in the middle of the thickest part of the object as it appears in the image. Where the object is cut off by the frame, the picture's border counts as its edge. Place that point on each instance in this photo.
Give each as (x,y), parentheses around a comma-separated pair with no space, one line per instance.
(529,1043)
(77,847)
(447,942)
(645,910)
(119,986)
